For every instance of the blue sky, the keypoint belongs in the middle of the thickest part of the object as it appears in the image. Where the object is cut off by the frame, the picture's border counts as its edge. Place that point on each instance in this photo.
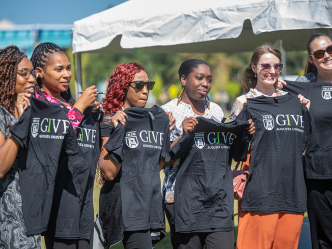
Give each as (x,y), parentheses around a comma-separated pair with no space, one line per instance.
(51,11)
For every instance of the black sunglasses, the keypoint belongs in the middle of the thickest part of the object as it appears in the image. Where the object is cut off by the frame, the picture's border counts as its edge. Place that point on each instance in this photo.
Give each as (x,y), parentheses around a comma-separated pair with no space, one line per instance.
(139,85)
(319,54)
(267,67)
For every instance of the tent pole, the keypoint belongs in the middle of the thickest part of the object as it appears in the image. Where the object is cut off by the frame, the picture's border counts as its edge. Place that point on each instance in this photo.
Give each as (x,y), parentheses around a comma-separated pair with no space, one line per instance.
(330,33)
(78,74)
(283,59)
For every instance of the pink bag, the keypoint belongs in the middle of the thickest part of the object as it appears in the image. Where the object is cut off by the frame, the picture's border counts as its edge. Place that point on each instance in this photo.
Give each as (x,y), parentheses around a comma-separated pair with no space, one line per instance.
(239,181)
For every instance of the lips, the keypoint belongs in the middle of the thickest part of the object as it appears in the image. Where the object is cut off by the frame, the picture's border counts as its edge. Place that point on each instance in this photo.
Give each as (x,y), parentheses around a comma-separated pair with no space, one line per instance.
(203,92)
(64,83)
(30,90)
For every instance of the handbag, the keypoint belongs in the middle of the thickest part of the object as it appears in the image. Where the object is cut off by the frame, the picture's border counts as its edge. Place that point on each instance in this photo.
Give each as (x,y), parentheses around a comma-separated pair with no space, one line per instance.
(239,181)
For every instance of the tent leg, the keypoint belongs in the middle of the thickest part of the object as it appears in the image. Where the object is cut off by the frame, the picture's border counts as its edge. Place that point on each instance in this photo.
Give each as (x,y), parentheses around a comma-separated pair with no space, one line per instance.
(78,78)
(283,59)
(330,33)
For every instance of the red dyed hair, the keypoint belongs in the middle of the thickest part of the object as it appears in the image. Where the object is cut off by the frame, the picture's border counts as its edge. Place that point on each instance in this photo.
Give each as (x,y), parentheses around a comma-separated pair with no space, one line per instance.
(122,75)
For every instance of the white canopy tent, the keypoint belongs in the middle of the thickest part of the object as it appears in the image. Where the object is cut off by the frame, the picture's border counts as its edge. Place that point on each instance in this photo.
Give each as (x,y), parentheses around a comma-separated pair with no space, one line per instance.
(184,26)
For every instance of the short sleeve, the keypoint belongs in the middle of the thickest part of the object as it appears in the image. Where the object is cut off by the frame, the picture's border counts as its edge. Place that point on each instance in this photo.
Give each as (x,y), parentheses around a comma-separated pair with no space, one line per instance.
(165,150)
(106,126)
(20,130)
(71,145)
(241,146)
(114,145)
(180,149)
(3,123)
(307,123)
(244,115)
(297,87)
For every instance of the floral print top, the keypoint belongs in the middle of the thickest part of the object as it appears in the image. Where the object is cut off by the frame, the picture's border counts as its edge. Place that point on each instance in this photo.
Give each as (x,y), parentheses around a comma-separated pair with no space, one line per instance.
(74,115)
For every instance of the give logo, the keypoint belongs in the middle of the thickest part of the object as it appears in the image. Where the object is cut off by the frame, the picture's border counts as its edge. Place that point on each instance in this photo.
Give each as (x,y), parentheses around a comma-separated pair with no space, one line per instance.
(145,136)
(282,120)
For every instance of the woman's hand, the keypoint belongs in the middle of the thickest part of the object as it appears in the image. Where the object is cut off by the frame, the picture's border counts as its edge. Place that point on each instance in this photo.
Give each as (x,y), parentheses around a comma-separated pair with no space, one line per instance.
(304,101)
(119,117)
(171,121)
(251,128)
(240,102)
(96,107)
(189,124)
(22,103)
(88,97)
(281,84)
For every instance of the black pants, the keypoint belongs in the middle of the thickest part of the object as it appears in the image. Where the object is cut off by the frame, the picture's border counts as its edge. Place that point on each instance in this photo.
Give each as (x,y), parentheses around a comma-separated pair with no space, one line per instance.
(137,240)
(320,212)
(214,240)
(54,243)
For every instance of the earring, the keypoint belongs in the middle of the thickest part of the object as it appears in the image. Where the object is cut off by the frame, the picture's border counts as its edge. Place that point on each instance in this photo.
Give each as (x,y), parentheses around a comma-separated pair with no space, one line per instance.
(207,102)
(255,75)
(180,97)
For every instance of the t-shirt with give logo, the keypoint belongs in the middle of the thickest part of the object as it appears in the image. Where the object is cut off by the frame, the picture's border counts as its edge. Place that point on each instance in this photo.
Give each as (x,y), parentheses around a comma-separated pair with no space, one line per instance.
(48,144)
(318,154)
(204,196)
(72,214)
(276,178)
(139,147)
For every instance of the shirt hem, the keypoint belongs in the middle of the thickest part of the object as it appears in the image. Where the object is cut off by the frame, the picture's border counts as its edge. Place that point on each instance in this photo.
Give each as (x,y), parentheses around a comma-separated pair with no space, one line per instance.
(145,227)
(203,230)
(318,177)
(36,231)
(272,210)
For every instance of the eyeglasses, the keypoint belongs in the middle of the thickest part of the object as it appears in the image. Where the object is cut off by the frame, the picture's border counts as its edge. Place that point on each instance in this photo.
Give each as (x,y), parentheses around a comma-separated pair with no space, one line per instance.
(277,67)
(139,85)
(319,54)
(26,73)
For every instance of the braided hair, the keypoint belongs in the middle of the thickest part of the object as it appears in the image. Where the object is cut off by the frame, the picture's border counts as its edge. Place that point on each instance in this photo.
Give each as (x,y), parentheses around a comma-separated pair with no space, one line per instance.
(40,58)
(10,57)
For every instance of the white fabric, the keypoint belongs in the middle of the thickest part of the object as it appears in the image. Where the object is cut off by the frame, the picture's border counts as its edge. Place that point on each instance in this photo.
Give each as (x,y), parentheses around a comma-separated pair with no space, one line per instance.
(151,23)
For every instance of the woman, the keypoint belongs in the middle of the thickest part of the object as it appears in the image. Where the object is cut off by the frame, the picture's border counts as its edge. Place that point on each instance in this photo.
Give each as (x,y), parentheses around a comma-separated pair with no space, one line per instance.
(54,74)
(196,79)
(262,224)
(319,69)
(16,86)
(128,87)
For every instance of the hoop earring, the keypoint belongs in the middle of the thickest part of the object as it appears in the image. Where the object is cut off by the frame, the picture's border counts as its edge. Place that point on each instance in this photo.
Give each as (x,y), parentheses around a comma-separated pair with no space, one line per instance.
(207,102)
(180,97)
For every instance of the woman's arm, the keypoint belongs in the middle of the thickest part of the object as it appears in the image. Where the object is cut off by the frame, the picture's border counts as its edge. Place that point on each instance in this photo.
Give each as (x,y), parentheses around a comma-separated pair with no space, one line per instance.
(106,163)
(8,152)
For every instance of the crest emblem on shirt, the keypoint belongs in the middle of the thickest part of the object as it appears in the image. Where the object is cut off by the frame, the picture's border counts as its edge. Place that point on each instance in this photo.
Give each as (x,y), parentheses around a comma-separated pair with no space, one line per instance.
(131,139)
(35,127)
(268,122)
(327,92)
(199,140)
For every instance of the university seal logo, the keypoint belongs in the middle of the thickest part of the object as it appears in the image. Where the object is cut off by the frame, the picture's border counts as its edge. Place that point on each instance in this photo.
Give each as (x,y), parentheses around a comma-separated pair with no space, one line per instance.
(326,92)
(268,122)
(35,127)
(199,140)
(131,139)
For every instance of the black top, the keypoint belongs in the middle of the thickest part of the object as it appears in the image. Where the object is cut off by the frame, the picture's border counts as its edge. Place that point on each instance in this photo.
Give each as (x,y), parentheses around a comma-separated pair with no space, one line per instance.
(276,179)
(72,214)
(204,196)
(48,142)
(318,155)
(138,147)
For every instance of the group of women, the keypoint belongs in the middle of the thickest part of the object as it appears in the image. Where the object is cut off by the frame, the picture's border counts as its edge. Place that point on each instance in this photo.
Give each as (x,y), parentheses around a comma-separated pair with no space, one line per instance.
(275,197)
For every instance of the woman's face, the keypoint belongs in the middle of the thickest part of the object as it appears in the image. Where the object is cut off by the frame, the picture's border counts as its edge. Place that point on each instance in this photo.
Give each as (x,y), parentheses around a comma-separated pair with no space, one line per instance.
(321,43)
(57,73)
(135,97)
(266,77)
(23,84)
(198,83)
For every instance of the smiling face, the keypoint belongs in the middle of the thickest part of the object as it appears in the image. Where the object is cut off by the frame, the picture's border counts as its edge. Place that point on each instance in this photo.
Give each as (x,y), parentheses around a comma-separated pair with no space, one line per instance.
(24,85)
(321,43)
(135,97)
(198,83)
(266,77)
(56,75)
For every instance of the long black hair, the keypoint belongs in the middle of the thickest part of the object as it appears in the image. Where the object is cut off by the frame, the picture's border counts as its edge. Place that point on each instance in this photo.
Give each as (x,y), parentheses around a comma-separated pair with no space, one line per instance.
(40,58)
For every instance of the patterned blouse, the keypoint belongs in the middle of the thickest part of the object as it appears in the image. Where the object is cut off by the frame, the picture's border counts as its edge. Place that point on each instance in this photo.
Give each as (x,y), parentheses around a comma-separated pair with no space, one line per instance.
(74,115)
(252,94)
(12,227)
(308,77)
(181,112)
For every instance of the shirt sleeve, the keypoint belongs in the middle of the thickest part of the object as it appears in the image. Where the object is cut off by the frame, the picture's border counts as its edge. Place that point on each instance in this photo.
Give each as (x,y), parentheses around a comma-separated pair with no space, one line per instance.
(180,149)
(307,123)
(106,126)
(232,116)
(20,130)
(75,117)
(114,145)
(165,150)
(244,115)
(3,123)
(297,88)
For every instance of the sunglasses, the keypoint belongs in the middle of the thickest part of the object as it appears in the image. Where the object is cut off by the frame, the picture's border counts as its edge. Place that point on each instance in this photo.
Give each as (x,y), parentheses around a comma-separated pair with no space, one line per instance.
(139,85)
(319,54)
(267,67)
(26,73)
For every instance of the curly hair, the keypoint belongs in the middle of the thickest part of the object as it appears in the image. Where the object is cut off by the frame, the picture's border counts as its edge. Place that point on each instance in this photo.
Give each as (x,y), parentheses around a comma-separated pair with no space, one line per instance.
(122,75)
(40,58)
(120,78)
(10,57)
